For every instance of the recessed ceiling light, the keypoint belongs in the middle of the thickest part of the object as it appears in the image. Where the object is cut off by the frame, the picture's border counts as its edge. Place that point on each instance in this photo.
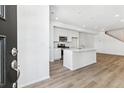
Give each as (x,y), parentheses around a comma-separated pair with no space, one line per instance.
(122,20)
(56,18)
(117,15)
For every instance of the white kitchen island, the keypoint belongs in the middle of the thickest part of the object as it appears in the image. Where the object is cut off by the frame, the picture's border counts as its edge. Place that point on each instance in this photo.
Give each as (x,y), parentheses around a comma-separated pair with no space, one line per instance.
(78,58)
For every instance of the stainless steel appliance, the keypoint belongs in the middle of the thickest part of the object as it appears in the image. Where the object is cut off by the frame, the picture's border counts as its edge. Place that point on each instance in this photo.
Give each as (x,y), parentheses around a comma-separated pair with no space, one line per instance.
(62,46)
(62,39)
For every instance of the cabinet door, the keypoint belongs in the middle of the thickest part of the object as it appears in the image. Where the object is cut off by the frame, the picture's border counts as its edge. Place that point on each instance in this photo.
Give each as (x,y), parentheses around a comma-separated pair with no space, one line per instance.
(57,53)
(56,37)
(69,38)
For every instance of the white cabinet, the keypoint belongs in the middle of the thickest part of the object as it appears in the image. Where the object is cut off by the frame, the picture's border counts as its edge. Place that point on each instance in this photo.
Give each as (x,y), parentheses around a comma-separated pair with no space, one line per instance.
(69,38)
(57,53)
(56,36)
(62,32)
(78,58)
(82,59)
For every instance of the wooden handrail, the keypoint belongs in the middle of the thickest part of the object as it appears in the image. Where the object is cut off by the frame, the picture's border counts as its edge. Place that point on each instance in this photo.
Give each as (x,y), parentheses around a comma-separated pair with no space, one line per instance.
(113,36)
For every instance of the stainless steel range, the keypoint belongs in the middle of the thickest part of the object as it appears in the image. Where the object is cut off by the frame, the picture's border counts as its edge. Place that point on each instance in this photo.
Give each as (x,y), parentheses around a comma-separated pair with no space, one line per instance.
(62,46)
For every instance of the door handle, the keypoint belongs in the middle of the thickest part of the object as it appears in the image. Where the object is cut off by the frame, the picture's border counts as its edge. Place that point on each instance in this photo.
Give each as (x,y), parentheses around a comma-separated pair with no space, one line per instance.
(18,73)
(15,66)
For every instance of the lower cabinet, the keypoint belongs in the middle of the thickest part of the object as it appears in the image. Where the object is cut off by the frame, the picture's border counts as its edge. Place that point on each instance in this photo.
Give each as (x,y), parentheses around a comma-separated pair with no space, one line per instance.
(77,59)
(57,53)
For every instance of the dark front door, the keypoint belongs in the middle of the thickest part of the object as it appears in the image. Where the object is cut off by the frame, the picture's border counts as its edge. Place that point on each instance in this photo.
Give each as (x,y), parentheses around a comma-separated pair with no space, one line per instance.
(8,41)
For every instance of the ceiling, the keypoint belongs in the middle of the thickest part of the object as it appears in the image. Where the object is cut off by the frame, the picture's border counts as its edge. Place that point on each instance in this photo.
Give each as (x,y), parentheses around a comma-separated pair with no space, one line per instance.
(93,17)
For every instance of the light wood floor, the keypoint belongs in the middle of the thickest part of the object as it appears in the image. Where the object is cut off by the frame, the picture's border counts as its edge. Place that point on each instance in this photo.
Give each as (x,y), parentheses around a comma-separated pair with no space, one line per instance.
(107,72)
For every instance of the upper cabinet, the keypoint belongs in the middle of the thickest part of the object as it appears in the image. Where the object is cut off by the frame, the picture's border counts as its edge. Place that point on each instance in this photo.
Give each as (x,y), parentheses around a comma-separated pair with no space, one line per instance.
(69,38)
(56,36)
(65,33)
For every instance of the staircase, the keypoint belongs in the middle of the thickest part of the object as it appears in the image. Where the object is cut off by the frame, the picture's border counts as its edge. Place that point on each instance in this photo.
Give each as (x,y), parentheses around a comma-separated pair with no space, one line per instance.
(110,42)
(119,35)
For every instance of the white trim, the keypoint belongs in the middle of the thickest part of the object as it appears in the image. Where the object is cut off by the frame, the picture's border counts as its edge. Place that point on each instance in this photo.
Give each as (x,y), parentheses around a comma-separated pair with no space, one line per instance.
(33,82)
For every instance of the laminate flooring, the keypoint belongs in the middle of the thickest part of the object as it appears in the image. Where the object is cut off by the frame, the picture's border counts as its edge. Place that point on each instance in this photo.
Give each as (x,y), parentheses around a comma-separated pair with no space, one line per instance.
(108,72)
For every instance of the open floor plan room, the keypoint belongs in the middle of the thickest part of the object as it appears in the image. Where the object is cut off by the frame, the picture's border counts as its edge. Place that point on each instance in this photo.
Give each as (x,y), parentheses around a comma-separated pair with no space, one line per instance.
(107,73)
(62,46)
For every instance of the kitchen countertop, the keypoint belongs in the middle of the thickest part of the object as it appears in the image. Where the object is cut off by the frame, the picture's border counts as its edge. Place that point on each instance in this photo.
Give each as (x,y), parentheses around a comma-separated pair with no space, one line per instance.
(79,49)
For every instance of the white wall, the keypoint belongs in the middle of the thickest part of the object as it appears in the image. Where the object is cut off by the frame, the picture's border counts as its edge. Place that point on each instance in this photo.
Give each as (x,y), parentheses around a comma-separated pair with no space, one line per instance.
(109,45)
(33,43)
(86,40)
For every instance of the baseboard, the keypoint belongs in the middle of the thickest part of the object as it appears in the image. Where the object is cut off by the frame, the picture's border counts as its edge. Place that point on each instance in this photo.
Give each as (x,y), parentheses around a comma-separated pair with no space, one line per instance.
(33,82)
(111,53)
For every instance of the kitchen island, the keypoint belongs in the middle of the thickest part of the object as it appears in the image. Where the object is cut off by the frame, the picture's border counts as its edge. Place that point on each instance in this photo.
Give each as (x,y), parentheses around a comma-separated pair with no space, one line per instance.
(78,58)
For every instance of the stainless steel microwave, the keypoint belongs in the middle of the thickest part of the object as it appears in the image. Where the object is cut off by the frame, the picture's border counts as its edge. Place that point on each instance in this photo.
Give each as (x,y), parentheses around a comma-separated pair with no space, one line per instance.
(62,39)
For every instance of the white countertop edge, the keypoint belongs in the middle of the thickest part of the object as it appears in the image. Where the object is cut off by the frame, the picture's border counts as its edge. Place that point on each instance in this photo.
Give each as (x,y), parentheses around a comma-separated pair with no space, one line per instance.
(80,50)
